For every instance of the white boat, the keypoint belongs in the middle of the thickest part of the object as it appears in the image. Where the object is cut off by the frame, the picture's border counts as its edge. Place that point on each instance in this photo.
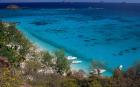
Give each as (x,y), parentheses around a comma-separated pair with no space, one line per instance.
(76,62)
(120,67)
(100,71)
(71,58)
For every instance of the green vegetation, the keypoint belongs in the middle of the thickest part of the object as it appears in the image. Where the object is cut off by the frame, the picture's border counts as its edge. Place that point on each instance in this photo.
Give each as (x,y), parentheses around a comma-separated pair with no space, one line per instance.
(47,59)
(13,44)
(10,79)
(24,65)
(62,64)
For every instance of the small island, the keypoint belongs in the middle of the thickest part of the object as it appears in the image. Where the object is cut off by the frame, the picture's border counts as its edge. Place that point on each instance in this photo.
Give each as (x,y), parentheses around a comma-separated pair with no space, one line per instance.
(13,7)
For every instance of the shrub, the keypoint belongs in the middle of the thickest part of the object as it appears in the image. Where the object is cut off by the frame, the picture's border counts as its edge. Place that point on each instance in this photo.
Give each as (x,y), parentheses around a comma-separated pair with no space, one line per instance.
(95,83)
(62,64)
(9,79)
(69,83)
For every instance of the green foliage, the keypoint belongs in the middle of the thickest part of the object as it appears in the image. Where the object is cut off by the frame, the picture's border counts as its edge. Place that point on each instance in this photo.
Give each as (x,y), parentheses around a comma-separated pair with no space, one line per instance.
(19,45)
(69,83)
(95,83)
(118,74)
(8,79)
(31,67)
(62,64)
(47,59)
(46,80)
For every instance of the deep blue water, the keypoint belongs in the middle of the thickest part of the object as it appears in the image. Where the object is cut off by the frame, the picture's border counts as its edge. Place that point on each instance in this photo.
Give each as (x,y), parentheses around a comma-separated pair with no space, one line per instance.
(106,32)
(130,6)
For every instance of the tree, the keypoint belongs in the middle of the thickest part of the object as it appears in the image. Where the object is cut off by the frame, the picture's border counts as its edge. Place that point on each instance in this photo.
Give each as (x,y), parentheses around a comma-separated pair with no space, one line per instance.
(118,74)
(47,59)
(134,71)
(62,64)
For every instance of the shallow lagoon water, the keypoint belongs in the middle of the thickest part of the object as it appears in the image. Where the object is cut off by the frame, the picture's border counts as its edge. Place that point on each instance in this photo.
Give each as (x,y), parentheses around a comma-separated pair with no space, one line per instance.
(110,36)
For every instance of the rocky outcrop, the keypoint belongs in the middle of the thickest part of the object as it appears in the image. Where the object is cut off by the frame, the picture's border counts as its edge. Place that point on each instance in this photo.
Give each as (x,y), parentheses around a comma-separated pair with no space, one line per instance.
(4,62)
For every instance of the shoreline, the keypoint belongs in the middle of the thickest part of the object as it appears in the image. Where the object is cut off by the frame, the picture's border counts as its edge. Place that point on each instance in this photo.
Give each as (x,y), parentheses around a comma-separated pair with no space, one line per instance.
(48,47)
(85,66)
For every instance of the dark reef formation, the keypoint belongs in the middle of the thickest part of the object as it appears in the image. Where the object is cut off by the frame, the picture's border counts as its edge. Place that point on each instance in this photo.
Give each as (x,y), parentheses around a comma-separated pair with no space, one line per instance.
(126,51)
(39,23)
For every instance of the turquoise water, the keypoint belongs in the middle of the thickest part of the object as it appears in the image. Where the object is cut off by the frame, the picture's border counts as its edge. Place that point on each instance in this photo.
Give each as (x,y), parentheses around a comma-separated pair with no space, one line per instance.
(108,35)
